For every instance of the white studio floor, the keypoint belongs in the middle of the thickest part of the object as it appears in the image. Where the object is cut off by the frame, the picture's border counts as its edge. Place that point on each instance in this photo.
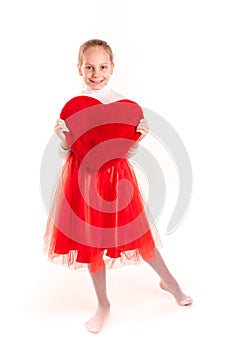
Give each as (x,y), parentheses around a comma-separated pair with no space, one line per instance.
(49,305)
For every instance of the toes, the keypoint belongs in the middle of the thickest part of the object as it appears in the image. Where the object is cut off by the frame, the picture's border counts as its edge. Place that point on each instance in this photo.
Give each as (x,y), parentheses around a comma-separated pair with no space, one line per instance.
(93,328)
(186,302)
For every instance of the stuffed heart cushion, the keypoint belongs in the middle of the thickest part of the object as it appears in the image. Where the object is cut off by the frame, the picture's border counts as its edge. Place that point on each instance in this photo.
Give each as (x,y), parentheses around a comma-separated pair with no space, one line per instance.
(101,133)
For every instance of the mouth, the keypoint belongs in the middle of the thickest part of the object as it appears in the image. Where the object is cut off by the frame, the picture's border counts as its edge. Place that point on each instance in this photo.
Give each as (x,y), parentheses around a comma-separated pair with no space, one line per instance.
(97,82)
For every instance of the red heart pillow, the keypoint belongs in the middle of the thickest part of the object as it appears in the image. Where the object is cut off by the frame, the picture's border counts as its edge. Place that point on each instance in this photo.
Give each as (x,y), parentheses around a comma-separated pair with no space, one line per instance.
(99,133)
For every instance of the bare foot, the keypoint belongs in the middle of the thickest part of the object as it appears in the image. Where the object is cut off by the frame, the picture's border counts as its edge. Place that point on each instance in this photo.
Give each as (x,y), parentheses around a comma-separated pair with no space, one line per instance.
(175,290)
(95,324)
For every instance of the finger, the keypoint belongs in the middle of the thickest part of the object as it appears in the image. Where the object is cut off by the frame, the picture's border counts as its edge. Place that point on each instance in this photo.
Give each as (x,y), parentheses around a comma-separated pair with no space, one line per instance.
(64,128)
(61,129)
(63,125)
(141,129)
(143,124)
(60,122)
(143,120)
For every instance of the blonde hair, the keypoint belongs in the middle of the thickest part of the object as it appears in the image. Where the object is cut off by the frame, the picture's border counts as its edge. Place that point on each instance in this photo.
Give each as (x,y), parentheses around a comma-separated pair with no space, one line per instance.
(91,43)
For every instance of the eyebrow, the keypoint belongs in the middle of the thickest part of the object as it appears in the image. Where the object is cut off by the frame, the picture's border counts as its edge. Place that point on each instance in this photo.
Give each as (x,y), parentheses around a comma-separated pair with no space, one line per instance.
(86,64)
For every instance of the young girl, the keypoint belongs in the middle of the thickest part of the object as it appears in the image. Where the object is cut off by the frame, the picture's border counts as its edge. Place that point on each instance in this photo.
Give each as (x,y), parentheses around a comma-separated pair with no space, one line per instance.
(95,230)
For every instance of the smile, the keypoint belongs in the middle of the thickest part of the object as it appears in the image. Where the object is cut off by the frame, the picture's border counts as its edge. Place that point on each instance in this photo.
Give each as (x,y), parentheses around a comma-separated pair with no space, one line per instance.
(97,82)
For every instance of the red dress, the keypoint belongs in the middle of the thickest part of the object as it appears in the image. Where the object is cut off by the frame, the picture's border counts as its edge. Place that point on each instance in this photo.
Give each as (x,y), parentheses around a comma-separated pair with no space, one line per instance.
(98,213)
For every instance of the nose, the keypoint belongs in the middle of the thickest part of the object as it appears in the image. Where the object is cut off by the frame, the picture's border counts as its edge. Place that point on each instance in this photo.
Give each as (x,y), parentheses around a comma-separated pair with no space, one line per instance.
(96,73)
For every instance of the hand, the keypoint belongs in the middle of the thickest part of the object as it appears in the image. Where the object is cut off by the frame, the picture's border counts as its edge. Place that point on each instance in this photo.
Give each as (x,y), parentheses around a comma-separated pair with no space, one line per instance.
(143,128)
(59,128)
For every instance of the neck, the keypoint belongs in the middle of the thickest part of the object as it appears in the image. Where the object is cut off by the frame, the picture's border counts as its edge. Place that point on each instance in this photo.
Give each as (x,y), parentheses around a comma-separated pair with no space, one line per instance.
(87,89)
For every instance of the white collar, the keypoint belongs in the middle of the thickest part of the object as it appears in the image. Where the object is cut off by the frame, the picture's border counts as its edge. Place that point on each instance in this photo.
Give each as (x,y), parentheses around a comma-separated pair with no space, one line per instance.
(104,95)
(88,90)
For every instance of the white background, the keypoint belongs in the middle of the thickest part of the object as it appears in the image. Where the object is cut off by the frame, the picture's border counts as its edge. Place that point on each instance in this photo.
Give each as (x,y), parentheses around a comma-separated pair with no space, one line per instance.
(174,57)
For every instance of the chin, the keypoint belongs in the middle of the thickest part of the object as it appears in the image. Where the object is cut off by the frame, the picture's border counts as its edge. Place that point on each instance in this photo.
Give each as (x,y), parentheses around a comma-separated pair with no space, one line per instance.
(97,87)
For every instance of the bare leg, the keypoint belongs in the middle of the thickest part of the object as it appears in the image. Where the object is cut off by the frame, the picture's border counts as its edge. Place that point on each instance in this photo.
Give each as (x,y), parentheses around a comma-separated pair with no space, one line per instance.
(95,324)
(168,282)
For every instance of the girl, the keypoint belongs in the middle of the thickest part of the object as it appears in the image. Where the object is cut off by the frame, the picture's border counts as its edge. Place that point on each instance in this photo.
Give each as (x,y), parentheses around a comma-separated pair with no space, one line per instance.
(85,228)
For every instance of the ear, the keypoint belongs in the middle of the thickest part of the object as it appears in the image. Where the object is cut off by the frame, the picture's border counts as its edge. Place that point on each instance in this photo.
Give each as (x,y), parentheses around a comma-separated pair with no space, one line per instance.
(79,69)
(112,67)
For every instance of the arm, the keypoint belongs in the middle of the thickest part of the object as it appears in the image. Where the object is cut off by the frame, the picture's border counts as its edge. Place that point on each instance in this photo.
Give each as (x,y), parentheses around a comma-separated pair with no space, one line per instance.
(143,128)
(59,128)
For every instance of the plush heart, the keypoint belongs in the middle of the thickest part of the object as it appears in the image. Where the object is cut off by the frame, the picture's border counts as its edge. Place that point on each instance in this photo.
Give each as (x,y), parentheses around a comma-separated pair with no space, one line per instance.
(101,133)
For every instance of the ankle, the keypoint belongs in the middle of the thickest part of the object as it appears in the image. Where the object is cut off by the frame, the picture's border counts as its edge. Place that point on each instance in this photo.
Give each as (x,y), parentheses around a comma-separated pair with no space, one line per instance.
(104,305)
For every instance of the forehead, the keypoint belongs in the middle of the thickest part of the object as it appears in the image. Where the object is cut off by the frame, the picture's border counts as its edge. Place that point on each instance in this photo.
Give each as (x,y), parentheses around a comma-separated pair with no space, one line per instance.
(96,55)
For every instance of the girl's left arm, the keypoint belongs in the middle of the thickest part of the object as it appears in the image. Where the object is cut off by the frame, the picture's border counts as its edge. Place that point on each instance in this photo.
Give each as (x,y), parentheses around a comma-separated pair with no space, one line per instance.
(143,128)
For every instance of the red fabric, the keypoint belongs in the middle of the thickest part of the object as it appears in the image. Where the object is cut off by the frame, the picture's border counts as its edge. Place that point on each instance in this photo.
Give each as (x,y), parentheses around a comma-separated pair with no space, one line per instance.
(98,124)
(97,207)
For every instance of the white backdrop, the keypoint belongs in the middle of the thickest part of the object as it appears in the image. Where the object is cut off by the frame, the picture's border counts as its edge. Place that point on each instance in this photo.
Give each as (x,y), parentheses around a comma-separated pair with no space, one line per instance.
(173,57)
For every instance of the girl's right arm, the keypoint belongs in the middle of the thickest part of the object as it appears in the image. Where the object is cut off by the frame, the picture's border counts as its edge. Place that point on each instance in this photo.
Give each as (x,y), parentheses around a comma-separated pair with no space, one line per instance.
(59,128)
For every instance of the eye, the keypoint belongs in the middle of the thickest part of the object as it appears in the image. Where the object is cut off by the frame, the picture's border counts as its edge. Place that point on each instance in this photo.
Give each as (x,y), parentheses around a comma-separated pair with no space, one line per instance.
(89,67)
(104,67)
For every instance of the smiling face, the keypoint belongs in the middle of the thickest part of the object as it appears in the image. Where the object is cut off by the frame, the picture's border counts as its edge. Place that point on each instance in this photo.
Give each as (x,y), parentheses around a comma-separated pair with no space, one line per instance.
(96,67)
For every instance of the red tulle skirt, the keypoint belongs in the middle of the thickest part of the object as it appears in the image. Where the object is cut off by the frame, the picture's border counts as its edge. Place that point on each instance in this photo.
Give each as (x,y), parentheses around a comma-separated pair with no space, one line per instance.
(98,218)
(98,214)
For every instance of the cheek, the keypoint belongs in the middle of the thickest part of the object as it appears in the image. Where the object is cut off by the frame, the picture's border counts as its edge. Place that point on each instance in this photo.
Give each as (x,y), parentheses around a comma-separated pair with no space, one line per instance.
(108,73)
(87,74)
